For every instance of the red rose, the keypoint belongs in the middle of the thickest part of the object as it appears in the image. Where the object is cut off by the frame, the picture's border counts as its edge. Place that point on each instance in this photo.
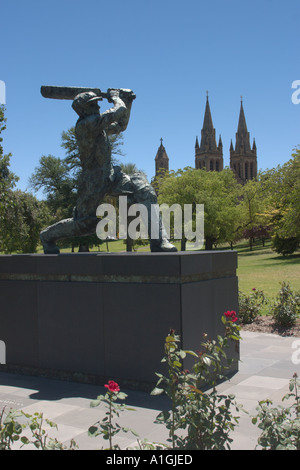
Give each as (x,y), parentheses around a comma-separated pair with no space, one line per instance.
(231,315)
(112,386)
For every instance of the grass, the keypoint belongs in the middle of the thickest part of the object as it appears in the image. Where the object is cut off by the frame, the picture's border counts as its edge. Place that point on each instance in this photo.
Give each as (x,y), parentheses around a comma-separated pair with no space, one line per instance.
(265,270)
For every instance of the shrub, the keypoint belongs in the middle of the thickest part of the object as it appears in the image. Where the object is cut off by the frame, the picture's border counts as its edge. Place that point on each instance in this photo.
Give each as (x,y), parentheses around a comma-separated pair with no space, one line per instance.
(286,307)
(10,428)
(205,417)
(285,246)
(11,431)
(250,305)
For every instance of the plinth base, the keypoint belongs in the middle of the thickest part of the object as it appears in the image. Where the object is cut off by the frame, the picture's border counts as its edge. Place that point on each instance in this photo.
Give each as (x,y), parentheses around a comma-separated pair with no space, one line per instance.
(98,316)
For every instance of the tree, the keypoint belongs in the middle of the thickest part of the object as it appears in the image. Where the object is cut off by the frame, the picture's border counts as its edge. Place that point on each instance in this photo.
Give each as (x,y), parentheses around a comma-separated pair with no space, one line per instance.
(283,211)
(253,223)
(55,179)
(21,214)
(7,178)
(218,191)
(23,221)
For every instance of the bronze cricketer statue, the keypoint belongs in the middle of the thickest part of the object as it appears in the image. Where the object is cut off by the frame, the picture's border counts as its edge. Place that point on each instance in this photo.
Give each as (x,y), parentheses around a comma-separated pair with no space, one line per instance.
(98,176)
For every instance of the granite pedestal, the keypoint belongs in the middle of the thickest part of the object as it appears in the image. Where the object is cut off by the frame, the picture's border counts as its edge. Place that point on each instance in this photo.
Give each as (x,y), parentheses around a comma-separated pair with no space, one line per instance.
(98,316)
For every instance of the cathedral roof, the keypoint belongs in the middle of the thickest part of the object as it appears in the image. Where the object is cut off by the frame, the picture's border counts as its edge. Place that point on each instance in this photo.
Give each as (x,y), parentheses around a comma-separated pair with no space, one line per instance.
(161,152)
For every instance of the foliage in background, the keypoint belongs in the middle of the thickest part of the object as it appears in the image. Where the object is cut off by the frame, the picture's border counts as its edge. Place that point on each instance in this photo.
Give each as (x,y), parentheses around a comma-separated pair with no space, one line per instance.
(23,219)
(284,246)
(21,215)
(218,191)
(282,184)
(286,308)
(250,305)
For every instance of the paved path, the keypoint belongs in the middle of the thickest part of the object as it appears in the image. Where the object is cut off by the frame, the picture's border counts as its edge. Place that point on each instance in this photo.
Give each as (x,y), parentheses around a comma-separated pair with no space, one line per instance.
(267,364)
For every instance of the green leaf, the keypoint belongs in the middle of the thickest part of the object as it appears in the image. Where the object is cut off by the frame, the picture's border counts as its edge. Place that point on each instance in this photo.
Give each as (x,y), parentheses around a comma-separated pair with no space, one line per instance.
(207,361)
(122,395)
(177,364)
(25,440)
(235,337)
(192,353)
(95,403)
(93,431)
(170,339)
(157,391)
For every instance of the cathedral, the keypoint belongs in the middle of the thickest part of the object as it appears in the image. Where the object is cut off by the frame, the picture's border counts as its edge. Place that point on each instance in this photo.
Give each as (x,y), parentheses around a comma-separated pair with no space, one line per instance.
(209,154)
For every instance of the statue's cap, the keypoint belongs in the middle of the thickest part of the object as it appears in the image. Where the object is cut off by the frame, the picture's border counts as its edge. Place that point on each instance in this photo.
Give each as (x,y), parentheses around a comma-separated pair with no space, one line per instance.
(87,97)
(82,99)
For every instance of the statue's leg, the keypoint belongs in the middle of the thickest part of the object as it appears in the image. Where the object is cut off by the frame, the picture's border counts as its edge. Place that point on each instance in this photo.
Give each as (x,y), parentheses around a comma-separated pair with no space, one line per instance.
(66,228)
(84,220)
(139,191)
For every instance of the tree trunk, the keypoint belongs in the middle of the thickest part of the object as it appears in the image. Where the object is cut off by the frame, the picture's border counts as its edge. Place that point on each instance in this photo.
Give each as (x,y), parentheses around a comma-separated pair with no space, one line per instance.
(251,243)
(129,244)
(208,243)
(83,248)
(183,244)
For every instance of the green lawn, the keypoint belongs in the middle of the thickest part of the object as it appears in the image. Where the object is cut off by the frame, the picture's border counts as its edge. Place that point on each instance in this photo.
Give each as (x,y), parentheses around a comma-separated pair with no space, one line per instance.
(265,270)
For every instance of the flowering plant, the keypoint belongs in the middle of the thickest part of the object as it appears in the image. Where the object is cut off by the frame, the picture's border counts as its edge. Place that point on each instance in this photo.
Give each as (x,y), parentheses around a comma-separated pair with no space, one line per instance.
(231,315)
(206,417)
(250,305)
(106,427)
(112,386)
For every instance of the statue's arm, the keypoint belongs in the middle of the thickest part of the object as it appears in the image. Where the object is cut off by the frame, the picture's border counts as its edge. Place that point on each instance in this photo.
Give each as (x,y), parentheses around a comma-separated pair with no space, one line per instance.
(115,119)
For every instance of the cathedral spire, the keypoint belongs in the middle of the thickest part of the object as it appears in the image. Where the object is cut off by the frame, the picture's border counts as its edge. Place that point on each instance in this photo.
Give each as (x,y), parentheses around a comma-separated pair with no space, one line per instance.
(207,121)
(208,133)
(242,135)
(208,155)
(220,142)
(242,126)
(243,159)
(161,159)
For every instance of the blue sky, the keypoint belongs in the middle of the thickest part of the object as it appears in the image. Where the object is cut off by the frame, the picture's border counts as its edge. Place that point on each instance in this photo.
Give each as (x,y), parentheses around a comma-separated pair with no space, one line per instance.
(169,53)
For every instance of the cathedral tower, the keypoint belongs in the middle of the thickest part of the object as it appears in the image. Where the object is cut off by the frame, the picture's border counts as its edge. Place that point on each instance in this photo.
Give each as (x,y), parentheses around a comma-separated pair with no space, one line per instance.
(161,159)
(208,154)
(243,158)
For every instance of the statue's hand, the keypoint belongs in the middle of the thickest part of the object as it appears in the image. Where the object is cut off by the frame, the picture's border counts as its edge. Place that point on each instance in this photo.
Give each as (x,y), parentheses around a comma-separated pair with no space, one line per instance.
(127,95)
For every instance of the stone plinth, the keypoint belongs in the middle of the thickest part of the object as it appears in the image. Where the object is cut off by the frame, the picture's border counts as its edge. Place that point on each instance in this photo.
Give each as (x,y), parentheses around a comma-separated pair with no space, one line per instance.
(99,316)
